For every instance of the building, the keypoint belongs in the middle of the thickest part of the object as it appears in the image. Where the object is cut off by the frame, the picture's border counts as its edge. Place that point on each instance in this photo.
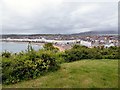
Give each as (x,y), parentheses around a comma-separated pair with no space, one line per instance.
(86,43)
(108,45)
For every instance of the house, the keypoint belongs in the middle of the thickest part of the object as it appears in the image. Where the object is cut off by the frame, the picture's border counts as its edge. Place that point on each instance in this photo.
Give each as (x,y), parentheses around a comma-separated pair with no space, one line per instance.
(86,43)
(108,45)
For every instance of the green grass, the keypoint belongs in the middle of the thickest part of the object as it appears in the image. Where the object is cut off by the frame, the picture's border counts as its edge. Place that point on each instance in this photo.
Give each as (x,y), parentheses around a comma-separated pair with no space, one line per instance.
(79,74)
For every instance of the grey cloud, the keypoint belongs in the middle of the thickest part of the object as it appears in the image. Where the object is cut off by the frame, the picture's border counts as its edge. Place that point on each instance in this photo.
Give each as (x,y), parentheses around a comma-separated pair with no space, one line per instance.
(62,19)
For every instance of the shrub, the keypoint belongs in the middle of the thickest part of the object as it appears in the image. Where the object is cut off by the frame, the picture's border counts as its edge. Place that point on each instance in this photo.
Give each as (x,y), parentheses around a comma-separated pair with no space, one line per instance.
(81,52)
(27,65)
(6,54)
(50,47)
(59,57)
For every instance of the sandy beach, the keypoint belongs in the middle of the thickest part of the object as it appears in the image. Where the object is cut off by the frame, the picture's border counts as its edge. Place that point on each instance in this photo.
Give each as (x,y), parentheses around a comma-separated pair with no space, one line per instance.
(62,48)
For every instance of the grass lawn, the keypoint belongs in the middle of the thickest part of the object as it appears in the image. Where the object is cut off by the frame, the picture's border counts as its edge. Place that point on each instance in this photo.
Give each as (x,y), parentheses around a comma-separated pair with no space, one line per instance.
(78,74)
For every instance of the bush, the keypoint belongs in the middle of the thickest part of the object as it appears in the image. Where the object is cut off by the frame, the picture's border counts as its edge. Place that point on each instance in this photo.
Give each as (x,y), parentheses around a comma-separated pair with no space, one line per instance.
(59,57)
(27,65)
(81,52)
(79,46)
(50,47)
(6,54)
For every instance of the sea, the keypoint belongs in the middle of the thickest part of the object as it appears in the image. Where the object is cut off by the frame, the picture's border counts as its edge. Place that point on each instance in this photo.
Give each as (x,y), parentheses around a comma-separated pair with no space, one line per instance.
(16,47)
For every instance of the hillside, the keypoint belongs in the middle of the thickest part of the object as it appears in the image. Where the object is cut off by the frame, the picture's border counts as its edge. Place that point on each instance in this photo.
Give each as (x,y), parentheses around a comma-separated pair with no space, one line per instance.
(109,32)
(79,74)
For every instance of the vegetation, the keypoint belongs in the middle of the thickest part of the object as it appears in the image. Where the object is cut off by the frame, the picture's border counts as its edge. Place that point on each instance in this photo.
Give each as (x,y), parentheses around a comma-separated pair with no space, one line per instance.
(26,65)
(81,52)
(78,74)
(50,47)
(31,64)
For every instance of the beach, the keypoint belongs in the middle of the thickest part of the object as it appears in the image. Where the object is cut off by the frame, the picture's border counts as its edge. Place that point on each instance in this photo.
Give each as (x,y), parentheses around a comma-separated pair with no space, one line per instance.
(62,47)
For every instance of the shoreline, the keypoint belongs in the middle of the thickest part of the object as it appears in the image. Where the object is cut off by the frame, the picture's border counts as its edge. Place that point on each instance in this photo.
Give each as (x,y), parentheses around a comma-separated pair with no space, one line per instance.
(34,43)
(62,48)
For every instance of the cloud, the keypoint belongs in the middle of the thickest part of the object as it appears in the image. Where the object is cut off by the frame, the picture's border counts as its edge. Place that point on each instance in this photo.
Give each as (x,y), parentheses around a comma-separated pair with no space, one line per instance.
(57,16)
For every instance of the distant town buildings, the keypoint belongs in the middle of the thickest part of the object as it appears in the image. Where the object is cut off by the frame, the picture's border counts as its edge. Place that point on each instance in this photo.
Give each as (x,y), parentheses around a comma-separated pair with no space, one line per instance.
(89,41)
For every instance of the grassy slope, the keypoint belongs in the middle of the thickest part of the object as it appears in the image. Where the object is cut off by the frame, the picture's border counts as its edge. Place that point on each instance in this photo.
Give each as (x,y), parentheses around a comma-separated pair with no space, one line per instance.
(82,74)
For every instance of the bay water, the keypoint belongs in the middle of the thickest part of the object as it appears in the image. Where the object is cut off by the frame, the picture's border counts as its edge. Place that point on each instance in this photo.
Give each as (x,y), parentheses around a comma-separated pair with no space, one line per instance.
(16,47)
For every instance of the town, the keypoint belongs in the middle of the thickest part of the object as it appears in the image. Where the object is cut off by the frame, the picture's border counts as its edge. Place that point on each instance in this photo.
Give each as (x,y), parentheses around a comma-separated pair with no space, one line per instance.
(65,41)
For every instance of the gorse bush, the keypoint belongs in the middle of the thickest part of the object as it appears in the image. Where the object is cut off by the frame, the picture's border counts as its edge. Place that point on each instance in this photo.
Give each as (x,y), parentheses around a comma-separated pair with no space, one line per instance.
(27,65)
(81,52)
(50,47)
(6,54)
(59,57)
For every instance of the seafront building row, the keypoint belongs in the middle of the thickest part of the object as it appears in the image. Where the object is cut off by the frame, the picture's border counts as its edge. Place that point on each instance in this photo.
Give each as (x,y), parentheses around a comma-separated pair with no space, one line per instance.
(92,43)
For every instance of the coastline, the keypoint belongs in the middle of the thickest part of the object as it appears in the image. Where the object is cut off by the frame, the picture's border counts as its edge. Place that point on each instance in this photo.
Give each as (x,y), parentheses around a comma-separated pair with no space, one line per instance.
(33,43)
(16,47)
(62,48)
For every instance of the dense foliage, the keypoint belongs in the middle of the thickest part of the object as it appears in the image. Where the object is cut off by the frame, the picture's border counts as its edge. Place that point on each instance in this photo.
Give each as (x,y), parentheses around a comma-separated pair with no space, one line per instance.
(50,47)
(81,52)
(31,64)
(26,65)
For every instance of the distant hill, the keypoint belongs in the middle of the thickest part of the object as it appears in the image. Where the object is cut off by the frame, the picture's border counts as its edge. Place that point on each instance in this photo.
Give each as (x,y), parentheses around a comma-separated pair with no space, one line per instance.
(110,32)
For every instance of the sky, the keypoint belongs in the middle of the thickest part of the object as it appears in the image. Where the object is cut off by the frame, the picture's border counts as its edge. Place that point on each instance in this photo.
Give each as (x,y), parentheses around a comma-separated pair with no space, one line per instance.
(57,16)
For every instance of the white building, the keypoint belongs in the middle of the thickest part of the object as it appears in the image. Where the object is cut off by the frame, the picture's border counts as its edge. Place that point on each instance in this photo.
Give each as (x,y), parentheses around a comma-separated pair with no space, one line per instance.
(86,43)
(108,45)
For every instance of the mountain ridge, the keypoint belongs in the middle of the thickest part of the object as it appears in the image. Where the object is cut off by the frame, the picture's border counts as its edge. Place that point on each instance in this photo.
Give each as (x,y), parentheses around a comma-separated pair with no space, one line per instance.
(109,32)
(97,33)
